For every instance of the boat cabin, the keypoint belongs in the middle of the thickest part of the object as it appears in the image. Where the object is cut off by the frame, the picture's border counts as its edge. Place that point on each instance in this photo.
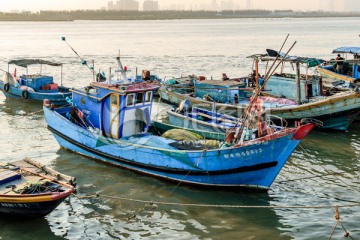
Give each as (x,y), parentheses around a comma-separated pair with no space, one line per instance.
(284,85)
(295,85)
(220,91)
(115,110)
(38,82)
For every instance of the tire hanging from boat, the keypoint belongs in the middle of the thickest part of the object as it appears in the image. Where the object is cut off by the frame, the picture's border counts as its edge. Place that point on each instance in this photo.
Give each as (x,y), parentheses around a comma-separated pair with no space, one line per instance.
(25,94)
(6,87)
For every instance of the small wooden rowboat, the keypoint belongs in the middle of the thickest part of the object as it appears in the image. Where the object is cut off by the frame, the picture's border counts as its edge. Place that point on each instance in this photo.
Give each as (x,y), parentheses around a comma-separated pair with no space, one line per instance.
(28,189)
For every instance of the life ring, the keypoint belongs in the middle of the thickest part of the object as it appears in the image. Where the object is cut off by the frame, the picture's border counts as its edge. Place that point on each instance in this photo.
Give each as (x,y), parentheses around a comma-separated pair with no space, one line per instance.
(6,87)
(25,94)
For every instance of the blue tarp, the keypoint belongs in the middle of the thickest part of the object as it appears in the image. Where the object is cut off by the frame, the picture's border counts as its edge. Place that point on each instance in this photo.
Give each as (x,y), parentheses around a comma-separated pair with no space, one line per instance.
(353,50)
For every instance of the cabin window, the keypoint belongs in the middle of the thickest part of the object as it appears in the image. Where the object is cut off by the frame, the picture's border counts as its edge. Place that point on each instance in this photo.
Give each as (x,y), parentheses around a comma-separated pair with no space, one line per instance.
(139,98)
(114,99)
(130,100)
(148,96)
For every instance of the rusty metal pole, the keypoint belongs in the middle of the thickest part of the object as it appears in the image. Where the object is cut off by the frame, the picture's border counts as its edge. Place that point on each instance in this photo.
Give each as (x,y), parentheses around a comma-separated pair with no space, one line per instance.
(257,72)
(298,89)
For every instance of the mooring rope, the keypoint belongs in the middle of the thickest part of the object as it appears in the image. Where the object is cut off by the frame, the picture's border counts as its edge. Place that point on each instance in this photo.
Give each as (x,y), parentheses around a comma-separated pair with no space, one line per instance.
(98,195)
(154,204)
(337,217)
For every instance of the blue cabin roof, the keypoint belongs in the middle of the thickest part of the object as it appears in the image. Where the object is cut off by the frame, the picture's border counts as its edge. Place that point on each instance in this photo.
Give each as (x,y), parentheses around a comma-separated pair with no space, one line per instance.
(117,110)
(352,50)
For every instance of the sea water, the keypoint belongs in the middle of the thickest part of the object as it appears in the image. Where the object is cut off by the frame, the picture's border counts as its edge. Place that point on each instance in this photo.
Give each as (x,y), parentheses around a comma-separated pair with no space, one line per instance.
(324,169)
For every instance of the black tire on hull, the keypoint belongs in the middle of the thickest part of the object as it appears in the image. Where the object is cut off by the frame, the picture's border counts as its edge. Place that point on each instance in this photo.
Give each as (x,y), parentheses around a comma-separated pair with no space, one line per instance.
(6,87)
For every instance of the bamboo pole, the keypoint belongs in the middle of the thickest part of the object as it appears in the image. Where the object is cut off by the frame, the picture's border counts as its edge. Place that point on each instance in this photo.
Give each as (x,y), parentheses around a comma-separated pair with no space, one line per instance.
(51,171)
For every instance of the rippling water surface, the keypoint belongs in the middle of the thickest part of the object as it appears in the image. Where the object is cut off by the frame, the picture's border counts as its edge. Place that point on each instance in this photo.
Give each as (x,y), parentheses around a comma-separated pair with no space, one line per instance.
(174,48)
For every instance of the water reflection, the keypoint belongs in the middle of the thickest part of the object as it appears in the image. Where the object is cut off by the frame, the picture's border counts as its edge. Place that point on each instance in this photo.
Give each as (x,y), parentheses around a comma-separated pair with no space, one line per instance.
(109,217)
(20,228)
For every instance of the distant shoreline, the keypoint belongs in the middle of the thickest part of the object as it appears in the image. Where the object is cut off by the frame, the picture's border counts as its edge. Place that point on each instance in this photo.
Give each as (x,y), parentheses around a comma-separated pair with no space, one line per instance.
(164,15)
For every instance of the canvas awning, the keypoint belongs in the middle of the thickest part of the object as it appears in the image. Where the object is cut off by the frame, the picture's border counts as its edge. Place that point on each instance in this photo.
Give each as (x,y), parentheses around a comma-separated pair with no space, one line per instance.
(26,62)
(272,54)
(352,50)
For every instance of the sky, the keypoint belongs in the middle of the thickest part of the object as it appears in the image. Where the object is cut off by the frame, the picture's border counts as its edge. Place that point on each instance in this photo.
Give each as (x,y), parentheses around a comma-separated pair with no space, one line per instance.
(36,5)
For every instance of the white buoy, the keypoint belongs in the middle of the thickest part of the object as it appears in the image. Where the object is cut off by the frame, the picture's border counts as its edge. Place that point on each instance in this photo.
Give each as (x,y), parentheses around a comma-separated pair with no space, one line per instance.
(8,78)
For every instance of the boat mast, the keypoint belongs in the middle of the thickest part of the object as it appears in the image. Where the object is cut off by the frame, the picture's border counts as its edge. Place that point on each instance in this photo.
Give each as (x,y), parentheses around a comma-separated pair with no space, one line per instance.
(61,74)
(257,72)
(298,90)
(123,73)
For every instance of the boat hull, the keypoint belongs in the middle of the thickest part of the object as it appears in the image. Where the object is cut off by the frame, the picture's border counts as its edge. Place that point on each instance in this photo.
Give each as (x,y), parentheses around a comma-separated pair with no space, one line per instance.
(327,74)
(56,98)
(31,206)
(252,165)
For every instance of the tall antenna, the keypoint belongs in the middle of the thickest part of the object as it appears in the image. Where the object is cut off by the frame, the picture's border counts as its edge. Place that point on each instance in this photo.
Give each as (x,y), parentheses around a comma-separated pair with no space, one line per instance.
(83,60)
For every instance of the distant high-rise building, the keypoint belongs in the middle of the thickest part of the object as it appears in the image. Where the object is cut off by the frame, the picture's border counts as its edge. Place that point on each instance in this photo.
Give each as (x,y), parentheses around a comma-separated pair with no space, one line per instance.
(351,5)
(214,6)
(150,5)
(332,4)
(249,4)
(127,5)
(339,6)
(227,5)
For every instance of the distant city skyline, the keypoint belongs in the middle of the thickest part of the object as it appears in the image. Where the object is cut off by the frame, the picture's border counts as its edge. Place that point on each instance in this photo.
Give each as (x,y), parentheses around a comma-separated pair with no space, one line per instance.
(212,5)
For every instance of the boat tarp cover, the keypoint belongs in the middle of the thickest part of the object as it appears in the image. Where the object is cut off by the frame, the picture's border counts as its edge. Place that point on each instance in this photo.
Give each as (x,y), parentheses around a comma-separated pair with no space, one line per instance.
(312,62)
(272,54)
(26,62)
(181,135)
(353,50)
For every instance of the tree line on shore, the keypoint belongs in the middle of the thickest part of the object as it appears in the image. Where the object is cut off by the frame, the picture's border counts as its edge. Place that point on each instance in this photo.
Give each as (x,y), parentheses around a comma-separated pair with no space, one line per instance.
(161,15)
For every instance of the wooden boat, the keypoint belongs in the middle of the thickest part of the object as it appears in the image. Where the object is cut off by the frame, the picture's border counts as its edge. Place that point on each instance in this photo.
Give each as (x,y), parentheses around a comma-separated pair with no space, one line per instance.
(34,86)
(351,67)
(291,97)
(28,189)
(111,122)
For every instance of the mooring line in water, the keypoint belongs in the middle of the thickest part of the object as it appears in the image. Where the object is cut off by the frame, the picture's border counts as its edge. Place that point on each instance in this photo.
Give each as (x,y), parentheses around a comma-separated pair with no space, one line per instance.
(195,165)
(153,203)
(337,217)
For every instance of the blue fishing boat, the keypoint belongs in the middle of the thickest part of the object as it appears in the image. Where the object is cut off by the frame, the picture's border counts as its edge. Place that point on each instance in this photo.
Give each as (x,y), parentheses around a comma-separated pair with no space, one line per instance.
(110,123)
(350,67)
(34,86)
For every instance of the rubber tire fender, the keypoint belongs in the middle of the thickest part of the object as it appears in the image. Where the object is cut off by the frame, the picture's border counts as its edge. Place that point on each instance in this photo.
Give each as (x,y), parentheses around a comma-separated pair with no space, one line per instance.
(25,94)
(6,87)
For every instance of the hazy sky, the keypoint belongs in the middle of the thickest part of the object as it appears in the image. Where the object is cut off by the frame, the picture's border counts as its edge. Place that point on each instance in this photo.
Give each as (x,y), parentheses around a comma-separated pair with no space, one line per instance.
(34,5)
